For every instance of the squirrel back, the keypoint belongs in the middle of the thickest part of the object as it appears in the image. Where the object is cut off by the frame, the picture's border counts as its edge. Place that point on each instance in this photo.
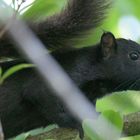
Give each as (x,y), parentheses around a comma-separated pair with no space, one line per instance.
(112,65)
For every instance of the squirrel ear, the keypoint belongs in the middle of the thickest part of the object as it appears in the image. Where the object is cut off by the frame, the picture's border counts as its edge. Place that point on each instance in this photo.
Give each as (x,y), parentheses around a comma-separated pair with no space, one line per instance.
(108,44)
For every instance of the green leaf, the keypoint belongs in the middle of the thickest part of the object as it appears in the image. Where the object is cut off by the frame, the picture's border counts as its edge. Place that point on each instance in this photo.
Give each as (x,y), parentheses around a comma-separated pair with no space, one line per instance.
(123,102)
(50,127)
(114,118)
(131,138)
(20,137)
(14,69)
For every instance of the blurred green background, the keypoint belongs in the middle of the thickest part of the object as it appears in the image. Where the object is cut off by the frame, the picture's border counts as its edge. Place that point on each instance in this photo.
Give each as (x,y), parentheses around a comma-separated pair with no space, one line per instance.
(123,18)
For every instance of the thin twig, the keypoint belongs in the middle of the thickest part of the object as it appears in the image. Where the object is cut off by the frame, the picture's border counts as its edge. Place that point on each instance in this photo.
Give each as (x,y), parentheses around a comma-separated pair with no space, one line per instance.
(19,5)
(14,4)
(26,7)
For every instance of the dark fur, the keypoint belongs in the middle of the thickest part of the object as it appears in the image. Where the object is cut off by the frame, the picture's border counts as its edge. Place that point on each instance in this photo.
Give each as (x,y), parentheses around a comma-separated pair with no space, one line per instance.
(26,102)
(65,28)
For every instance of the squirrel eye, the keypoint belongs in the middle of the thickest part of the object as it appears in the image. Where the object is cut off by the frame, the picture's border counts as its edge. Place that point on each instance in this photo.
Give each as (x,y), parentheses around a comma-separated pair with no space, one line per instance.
(134,56)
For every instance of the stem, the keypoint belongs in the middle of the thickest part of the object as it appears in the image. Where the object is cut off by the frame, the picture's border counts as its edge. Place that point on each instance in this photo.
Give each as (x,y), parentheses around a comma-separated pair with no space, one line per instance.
(26,7)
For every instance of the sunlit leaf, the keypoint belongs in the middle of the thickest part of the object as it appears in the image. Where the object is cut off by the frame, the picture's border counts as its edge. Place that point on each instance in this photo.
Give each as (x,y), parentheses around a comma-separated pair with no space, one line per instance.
(125,102)
(113,117)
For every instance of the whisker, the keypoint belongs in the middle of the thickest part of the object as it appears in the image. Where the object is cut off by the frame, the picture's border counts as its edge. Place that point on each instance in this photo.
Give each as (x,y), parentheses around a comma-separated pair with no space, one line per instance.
(134,84)
(125,83)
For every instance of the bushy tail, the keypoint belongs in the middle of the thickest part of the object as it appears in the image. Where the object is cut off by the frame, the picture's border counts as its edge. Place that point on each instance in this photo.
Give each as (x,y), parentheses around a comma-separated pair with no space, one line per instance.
(65,28)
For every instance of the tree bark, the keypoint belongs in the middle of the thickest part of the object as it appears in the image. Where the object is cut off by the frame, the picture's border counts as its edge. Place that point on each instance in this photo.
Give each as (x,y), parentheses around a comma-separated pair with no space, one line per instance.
(132,124)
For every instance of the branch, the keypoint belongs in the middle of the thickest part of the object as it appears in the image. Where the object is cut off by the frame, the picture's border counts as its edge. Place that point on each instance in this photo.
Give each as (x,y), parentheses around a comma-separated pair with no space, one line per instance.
(131,128)
(132,124)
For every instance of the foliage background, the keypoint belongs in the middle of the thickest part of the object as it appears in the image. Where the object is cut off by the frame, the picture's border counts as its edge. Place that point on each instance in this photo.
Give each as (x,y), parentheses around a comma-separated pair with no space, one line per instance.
(120,10)
(124,21)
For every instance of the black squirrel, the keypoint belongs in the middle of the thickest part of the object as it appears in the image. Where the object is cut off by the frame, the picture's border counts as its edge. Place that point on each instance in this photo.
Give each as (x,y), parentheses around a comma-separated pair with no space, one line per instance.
(111,65)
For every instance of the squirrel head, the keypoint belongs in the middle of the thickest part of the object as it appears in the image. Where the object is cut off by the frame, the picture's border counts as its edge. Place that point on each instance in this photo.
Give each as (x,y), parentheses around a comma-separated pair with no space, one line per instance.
(120,59)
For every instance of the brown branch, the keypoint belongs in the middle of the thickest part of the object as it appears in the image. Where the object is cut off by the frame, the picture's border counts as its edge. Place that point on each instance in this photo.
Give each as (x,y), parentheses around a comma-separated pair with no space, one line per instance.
(132,124)
(131,128)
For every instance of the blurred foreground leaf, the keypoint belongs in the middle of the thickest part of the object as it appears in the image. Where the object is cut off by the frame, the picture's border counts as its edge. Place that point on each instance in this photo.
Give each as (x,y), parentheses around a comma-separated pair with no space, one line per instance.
(114,122)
